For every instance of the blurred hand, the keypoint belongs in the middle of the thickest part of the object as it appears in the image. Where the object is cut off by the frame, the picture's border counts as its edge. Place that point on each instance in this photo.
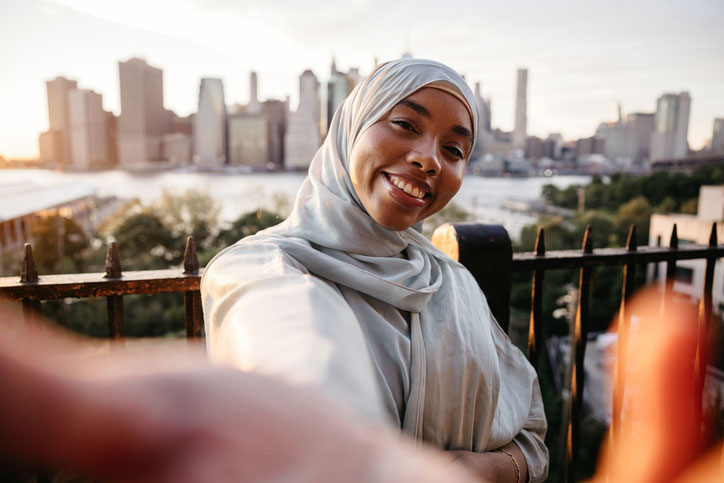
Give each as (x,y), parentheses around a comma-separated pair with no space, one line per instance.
(660,440)
(164,415)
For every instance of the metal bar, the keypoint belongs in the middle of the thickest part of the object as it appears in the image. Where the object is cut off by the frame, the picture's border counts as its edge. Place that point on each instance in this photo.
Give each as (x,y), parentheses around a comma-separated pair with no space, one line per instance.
(535,332)
(29,275)
(86,285)
(82,285)
(114,303)
(670,268)
(561,259)
(192,298)
(705,309)
(624,325)
(578,353)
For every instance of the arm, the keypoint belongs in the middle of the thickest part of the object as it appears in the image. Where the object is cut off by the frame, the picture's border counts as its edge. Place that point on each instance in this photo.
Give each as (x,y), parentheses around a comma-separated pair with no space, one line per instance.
(155,415)
(495,466)
(519,389)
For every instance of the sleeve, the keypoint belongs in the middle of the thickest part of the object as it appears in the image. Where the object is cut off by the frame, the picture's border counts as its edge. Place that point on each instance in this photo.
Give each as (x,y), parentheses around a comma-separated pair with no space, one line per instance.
(520,394)
(265,313)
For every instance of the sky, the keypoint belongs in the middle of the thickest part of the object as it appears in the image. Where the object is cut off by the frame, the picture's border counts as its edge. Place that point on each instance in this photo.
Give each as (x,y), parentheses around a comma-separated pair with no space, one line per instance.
(582,56)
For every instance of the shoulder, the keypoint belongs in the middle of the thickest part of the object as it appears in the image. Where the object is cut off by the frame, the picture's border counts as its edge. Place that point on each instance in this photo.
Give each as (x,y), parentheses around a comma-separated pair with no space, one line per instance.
(253,258)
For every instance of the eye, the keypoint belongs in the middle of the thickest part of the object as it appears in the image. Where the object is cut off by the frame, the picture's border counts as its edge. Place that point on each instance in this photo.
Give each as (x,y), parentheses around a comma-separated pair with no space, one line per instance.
(457,152)
(404,125)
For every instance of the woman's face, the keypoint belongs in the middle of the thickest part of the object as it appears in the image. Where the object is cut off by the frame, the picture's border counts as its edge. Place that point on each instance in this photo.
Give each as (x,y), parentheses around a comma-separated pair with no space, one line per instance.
(410,163)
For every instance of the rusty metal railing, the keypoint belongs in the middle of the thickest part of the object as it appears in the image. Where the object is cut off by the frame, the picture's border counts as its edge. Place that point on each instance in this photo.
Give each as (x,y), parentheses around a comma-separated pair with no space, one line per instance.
(112,284)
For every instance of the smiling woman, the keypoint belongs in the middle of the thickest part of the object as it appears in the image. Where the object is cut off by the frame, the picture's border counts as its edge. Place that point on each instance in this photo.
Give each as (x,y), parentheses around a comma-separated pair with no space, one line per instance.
(347,297)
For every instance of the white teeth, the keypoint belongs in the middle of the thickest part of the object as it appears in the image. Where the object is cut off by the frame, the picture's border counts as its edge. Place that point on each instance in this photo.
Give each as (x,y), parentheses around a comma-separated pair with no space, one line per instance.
(407,187)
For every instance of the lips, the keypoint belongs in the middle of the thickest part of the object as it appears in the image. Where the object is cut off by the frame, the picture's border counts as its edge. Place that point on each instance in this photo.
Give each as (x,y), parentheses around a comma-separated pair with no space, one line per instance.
(408,187)
(407,192)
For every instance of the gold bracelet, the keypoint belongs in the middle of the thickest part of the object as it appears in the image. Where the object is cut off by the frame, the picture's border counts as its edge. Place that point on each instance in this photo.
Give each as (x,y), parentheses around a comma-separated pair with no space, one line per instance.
(515,463)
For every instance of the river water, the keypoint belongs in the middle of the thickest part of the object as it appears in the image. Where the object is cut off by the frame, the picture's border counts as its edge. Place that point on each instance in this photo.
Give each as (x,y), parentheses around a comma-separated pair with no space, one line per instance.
(238,193)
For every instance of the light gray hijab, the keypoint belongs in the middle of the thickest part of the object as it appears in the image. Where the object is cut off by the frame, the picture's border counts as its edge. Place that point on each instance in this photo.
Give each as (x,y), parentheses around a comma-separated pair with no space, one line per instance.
(345,245)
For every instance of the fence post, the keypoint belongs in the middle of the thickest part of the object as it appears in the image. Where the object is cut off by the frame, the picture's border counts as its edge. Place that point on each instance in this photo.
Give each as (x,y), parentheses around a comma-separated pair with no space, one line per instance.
(114,303)
(192,298)
(29,275)
(535,329)
(485,250)
(578,353)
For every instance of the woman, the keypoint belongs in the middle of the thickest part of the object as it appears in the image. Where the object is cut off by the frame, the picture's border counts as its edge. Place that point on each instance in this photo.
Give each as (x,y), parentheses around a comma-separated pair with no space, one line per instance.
(347,295)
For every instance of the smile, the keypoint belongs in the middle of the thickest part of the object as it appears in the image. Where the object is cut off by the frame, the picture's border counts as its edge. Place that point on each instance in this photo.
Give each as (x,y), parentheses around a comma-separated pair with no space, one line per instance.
(407,187)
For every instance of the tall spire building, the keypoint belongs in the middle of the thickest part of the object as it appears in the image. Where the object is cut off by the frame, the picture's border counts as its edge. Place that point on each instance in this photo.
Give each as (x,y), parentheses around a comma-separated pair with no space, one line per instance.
(520,132)
(253,107)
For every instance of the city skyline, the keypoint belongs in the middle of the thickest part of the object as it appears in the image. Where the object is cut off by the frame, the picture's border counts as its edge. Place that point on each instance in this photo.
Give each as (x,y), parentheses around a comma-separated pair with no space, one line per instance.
(577,71)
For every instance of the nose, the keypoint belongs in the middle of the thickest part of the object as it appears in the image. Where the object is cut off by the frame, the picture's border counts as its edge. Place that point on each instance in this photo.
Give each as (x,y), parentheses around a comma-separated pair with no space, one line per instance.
(425,157)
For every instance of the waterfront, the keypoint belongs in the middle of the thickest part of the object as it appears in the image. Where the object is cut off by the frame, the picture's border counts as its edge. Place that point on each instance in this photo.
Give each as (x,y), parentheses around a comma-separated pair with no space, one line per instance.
(240,193)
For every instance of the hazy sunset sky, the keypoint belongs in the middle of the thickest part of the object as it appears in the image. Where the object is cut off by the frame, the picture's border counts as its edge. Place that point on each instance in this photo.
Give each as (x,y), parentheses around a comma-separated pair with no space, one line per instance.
(582,56)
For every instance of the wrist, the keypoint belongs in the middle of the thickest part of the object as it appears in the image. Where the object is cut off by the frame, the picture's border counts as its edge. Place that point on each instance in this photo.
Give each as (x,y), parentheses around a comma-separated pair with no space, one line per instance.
(513,462)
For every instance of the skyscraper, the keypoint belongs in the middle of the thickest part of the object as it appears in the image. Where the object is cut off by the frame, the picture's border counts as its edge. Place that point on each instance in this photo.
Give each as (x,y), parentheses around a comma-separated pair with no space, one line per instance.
(717,136)
(303,137)
(55,143)
(671,126)
(143,120)
(210,124)
(88,129)
(483,124)
(253,107)
(338,88)
(520,132)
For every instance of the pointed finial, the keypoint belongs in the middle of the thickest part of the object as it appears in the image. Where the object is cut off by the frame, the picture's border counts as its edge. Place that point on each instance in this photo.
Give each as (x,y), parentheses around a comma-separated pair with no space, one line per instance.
(540,243)
(113,262)
(588,240)
(713,237)
(674,242)
(191,261)
(631,242)
(28,271)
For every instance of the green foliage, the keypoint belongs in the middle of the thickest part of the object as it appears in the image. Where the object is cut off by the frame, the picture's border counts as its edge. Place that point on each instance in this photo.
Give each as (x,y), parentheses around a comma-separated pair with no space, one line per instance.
(59,245)
(154,236)
(149,237)
(247,224)
(194,212)
(664,190)
(145,243)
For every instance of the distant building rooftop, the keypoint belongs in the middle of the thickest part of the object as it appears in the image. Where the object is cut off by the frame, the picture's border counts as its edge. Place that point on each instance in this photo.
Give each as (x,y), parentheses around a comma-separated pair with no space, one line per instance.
(22,199)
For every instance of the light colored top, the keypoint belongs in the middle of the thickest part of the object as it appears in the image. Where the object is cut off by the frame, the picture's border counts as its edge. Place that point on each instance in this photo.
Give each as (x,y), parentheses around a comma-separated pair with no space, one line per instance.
(379,320)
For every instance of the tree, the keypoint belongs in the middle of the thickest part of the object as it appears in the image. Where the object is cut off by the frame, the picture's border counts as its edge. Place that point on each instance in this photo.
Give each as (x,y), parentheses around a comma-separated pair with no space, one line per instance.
(193,212)
(145,243)
(247,224)
(59,245)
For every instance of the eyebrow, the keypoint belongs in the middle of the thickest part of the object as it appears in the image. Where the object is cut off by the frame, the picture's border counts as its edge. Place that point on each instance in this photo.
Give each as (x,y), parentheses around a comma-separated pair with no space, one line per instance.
(422,110)
(463,131)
